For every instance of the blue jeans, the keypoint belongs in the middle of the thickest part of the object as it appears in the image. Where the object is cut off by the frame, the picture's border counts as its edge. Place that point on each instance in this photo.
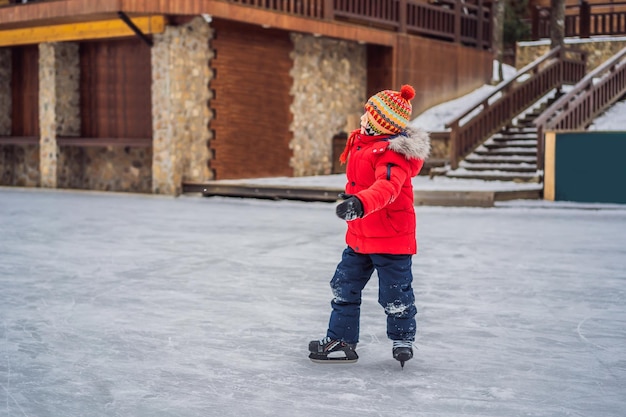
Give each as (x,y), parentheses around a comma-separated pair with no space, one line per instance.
(395,294)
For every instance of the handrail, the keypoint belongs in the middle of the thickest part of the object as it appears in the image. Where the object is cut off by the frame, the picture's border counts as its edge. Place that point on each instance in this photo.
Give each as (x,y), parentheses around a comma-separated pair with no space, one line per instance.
(451,20)
(591,19)
(544,120)
(592,95)
(504,85)
(512,97)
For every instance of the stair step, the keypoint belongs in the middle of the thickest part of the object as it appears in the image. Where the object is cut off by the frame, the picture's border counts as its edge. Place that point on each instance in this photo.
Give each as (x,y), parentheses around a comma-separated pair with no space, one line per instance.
(494,176)
(499,167)
(508,159)
(519,129)
(438,171)
(518,136)
(507,151)
(527,122)
(511,144)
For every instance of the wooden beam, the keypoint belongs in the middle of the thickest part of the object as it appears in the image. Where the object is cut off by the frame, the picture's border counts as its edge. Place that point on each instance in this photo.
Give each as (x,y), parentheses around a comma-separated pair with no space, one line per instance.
(266,18)
(81,31)
(73,11)
(50,12)
(549,182)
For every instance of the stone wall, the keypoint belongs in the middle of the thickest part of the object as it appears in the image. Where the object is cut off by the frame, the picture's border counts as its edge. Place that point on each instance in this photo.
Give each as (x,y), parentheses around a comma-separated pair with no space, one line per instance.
(180,110)
(59,98)
(329,88)
(5,91)
(19,165)
(106,168)
(598,50)
(440,146)
(67,67)
(48,150)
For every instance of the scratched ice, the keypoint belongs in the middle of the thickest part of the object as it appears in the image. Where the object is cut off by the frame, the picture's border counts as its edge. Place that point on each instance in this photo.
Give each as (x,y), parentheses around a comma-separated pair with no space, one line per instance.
(126,305)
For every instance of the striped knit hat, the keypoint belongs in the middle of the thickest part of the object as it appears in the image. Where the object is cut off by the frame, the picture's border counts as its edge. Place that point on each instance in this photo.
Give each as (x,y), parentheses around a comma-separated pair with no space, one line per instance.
(388,112)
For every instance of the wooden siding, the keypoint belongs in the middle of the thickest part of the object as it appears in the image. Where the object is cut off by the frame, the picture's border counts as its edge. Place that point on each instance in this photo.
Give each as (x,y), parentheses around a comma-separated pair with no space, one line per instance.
(379,69)
(439,71)
(251,101)
(115,89)
(25,91)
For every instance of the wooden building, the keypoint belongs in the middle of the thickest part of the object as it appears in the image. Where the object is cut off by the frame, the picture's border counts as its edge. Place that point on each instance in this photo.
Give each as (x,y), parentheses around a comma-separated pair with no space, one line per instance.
(144,95)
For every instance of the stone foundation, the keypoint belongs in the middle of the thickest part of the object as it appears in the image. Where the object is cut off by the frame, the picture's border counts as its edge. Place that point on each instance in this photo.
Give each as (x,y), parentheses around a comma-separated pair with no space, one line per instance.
(440,146)
(5,92)
(59,99)
(598,51)
(180,110)
(107,168)
(19,165)
(329,88)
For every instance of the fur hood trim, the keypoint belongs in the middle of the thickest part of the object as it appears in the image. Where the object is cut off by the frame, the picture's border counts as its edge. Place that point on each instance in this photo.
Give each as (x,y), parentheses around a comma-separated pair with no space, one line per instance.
(413,143)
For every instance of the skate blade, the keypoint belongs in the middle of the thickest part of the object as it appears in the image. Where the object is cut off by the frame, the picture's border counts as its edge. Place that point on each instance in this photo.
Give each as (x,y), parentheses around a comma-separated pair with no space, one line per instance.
(334,361)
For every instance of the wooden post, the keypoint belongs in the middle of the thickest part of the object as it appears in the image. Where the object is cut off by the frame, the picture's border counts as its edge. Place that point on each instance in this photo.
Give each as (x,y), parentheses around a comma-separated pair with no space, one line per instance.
(402,16)
(585,19)
(329,10)
(454,162)
(540,149)
(535,23)
(549,157)
(560,55)
(457,21)
(480,31)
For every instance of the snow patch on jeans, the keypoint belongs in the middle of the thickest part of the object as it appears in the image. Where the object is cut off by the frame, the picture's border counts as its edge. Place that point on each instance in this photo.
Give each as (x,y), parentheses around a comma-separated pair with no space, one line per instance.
(337,296)
(396,309)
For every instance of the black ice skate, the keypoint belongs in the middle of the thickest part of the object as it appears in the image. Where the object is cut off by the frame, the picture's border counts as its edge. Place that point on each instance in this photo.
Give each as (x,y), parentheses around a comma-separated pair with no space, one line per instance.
(402,351)
(329,350)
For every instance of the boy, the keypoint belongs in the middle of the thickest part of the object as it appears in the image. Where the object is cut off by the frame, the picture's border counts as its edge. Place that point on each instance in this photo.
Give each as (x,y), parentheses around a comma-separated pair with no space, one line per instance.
(382,157)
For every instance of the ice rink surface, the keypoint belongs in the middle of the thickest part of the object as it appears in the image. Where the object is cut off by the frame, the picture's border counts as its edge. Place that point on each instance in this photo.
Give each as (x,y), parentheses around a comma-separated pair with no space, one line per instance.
(129,305)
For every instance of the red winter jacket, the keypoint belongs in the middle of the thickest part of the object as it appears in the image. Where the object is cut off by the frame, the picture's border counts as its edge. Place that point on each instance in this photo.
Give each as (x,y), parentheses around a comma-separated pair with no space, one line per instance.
(379,173)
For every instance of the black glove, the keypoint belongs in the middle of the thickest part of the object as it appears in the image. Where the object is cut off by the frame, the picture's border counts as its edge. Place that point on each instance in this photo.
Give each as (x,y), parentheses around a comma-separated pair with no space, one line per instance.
(350,209)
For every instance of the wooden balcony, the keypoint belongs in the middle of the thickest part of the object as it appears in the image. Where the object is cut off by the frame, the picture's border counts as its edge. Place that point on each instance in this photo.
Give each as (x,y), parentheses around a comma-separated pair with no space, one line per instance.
(373,21)
(583,20)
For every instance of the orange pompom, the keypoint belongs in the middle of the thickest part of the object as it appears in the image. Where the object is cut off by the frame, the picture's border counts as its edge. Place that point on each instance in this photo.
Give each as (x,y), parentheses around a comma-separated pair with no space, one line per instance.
(407,92)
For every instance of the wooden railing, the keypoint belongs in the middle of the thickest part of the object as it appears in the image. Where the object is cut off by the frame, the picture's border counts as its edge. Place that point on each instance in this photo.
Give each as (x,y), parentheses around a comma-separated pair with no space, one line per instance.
(583,20)
(308,8)
(575,110)
(451,20)
(510,98)
(468,23)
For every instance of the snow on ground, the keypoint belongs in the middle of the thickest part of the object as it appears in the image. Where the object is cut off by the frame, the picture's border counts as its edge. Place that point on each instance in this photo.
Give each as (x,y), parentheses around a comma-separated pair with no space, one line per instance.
(132,305)
(612,120)
(435,118)
(574,41)
(420,183)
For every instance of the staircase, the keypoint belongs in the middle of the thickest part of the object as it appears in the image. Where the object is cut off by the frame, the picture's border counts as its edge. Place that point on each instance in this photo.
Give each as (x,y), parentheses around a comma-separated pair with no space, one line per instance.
(534,104)
(509,155)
